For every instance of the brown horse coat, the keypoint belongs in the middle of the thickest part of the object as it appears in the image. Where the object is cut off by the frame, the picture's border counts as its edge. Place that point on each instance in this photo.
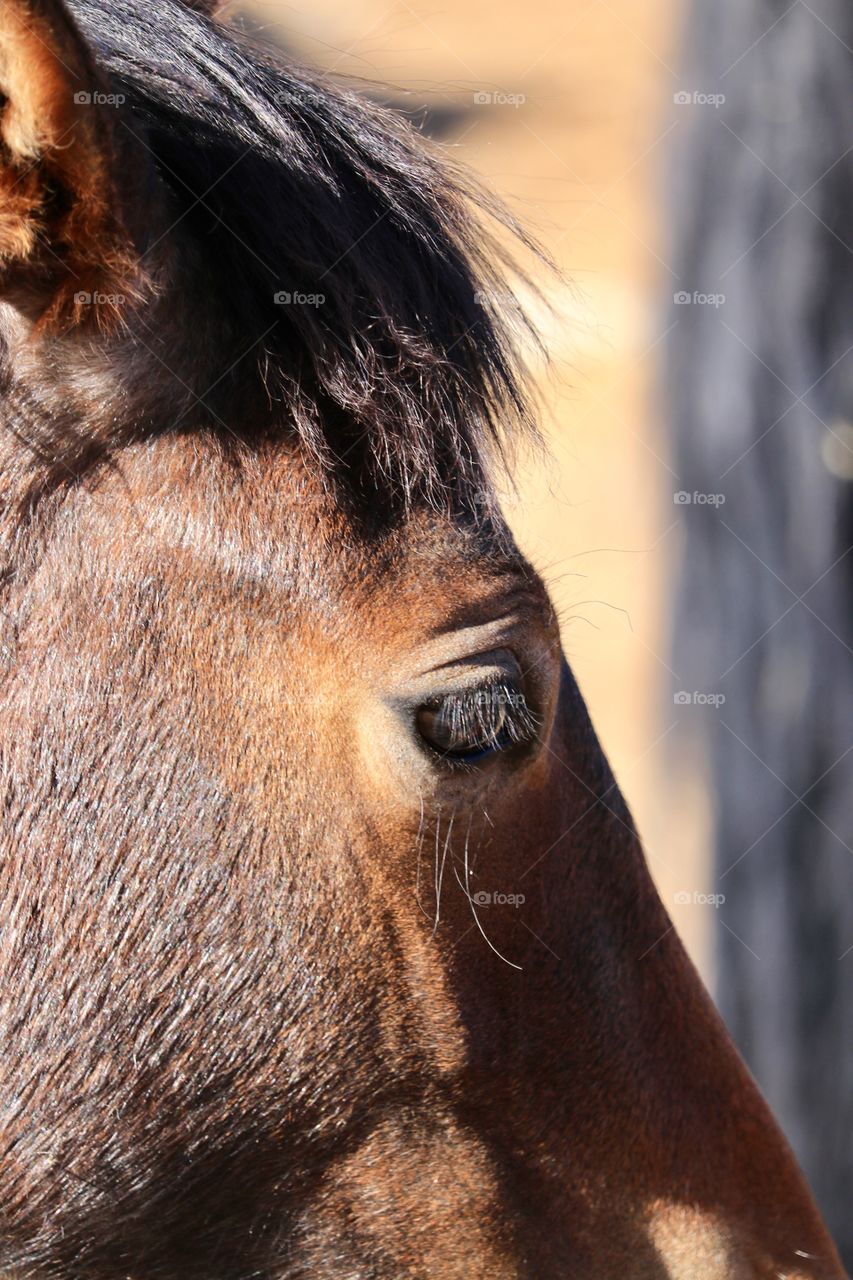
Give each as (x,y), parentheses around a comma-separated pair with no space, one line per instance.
(300,973)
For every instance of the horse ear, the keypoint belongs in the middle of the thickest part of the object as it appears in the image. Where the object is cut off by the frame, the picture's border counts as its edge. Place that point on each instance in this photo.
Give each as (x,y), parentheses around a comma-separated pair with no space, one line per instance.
(64,245)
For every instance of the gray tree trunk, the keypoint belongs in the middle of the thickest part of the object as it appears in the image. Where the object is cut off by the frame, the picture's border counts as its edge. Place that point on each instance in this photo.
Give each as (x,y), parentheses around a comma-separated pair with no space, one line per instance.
(761,405)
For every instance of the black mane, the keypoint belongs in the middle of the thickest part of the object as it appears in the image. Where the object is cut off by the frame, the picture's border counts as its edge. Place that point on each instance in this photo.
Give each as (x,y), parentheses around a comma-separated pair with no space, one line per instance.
(408,369)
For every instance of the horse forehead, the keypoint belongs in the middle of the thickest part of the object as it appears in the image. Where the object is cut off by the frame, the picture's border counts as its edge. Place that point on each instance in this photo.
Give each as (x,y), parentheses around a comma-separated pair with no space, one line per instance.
(268,533)
(263,519)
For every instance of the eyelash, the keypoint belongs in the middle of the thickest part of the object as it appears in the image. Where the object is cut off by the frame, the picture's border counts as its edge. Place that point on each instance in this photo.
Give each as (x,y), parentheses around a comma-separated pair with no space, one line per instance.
(472,718)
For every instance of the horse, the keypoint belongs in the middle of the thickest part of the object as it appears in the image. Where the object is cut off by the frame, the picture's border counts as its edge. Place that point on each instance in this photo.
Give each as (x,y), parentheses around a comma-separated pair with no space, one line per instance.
(328,945)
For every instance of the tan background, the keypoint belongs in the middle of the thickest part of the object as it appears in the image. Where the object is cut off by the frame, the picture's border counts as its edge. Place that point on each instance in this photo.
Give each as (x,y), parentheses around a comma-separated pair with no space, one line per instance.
(580,160)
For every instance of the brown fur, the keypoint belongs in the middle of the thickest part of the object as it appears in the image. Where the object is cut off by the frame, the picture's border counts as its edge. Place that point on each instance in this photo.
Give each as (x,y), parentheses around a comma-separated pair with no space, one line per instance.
(240,1042)
(255,1022)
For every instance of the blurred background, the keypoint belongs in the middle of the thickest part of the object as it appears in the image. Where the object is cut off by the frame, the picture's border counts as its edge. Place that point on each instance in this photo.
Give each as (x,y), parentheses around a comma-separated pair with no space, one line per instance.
(687,166)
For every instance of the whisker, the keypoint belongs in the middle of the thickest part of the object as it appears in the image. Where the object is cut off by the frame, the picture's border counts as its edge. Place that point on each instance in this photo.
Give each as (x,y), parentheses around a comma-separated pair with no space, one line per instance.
(419,842)
(467,891)
(440,873)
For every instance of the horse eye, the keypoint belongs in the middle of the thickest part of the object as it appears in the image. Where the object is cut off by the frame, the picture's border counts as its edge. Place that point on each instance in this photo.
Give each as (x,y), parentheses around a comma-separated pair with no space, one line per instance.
(472,725)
